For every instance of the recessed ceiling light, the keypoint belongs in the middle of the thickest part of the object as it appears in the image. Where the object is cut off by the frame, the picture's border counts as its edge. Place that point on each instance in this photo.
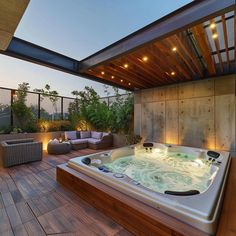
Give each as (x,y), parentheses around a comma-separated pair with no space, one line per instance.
(126,65)
(174,49)
(113,77)
(121,80)
(103,73)
(212,25)
(145,58)
(173,73)
(215,35)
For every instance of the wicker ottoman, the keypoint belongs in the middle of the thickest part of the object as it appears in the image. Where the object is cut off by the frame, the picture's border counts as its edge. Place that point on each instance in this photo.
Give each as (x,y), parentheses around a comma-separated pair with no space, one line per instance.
(58,148)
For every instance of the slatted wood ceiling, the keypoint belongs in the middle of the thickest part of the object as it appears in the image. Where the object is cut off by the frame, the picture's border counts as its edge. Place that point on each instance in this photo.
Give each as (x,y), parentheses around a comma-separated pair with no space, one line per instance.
(205,50)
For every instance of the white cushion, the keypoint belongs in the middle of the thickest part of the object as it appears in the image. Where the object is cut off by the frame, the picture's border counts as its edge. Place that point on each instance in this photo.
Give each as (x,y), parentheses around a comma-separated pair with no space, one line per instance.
(85,134)
(96,135)
(104,134)
(54,141)
(71,135)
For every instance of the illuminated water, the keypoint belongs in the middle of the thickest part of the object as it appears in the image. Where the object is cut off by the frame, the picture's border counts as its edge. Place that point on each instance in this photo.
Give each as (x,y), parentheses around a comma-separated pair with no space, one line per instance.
(173,171)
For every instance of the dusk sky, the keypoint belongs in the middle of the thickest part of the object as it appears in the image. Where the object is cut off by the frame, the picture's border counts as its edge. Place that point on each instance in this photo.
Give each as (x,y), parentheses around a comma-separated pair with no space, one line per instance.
(76,28)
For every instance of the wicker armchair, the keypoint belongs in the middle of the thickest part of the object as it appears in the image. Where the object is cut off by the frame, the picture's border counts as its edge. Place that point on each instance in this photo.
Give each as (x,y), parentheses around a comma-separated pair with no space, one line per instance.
(19,151)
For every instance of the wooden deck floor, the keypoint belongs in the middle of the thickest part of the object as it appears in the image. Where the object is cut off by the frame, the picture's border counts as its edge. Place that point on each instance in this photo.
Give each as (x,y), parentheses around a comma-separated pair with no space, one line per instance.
(33,203)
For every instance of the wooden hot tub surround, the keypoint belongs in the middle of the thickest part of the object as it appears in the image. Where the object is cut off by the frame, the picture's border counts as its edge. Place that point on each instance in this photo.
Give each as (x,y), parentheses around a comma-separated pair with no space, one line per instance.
(134,215)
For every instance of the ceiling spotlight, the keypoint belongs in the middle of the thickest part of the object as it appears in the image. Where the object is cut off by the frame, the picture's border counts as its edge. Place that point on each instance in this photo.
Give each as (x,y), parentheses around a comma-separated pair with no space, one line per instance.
(215,35)
(172,73)
(103,73)
(145,58)
(126,65)
(174,49)
(113,77)
(121,80)
(212,25)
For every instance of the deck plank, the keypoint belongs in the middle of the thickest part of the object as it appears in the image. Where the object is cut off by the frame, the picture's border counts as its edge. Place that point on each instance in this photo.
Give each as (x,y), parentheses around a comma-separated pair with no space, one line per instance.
(33,203)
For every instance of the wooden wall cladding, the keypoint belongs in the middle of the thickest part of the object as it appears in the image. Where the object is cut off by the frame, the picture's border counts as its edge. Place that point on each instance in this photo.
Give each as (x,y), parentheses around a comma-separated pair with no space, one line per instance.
(198,113)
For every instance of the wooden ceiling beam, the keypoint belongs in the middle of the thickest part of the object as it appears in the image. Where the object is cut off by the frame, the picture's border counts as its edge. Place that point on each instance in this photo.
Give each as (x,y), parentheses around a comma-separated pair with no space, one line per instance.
(183,57)
(171,60)
(184,18)
(203,44)
(146,69)
(162,66)
(113,69)
(116,80)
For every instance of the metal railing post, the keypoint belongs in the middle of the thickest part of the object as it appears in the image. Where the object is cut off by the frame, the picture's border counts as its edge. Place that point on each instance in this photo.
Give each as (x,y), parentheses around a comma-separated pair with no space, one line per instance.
(62,108)
(39,106)
(12,100)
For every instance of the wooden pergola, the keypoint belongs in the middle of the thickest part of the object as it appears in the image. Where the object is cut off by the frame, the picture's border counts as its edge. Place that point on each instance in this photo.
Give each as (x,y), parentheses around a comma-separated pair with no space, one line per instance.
(194,42)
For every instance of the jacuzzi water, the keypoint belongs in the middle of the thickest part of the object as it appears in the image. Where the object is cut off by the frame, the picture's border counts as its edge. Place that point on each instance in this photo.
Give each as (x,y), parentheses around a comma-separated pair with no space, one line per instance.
(165,171)
(150,174)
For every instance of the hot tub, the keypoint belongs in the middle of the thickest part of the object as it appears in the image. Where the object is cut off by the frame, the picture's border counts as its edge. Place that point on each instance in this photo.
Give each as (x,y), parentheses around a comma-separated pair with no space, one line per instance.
(186,183)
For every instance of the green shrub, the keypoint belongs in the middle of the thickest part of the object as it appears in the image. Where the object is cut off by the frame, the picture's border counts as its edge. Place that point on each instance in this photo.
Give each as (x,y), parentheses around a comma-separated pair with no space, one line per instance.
(56,125)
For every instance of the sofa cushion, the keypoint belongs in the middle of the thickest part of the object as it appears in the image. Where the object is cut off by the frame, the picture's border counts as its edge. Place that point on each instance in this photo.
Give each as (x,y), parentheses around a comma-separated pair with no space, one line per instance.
(105,134)
(70,135)
(85,134)
(54,141)
(96,135)
(94,140)
(78,141)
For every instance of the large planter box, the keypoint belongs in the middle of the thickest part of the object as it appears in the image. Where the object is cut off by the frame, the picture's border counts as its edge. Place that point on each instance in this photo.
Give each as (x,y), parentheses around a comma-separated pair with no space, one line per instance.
(119,140)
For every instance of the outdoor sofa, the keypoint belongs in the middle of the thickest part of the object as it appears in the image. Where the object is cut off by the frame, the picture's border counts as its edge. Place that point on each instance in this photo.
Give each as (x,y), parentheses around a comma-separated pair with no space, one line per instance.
(19,151)
(89,139)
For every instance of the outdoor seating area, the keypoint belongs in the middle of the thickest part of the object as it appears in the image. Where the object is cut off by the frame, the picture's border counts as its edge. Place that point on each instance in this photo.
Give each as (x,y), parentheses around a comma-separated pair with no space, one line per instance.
(134,138)
(89,139)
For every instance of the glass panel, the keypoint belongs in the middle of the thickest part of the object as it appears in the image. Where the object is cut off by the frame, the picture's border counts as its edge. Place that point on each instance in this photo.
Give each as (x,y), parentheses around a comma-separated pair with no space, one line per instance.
(231,55)
(220,33)
(5,110)
(32,102)
(216,58)
(105,100)
(50,108)
(66,103)
(230,32)
(223,56)
(211,41)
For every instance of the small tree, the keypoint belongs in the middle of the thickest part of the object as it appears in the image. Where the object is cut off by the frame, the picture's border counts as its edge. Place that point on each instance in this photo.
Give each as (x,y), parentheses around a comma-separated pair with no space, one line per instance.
(52,95)
(23,115)
(74,110)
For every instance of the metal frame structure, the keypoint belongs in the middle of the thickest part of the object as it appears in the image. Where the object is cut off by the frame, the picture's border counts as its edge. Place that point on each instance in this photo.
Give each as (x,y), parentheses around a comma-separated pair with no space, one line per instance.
(191,14)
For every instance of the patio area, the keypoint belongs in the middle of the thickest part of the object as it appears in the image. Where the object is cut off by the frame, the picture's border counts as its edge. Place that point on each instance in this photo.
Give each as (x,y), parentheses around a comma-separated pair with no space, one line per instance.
(172,168)
(33,203)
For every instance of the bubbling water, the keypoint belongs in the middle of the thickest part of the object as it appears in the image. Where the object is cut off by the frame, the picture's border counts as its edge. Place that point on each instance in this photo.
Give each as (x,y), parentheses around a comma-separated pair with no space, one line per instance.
(159,170)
